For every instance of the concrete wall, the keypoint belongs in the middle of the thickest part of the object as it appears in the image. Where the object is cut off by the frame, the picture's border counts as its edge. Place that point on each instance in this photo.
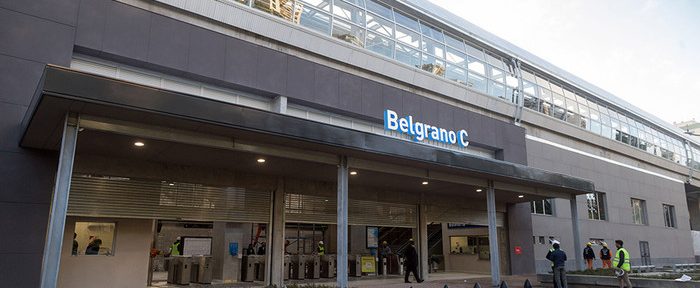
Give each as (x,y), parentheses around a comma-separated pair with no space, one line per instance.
(667,245)
(470,262)
(226,266)
(130,259)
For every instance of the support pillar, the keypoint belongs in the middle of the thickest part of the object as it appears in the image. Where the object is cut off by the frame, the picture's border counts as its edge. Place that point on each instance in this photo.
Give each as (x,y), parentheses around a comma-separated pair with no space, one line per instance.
(493,235)
(577,235)
(59,204)
(423,240)
(276,234)
(342,248)
(279,105)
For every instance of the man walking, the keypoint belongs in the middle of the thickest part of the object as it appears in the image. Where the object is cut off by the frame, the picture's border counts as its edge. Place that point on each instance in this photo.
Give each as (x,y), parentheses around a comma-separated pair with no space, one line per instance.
(605,256)
(622,265)
(411,262)
(589,255)
(558,259)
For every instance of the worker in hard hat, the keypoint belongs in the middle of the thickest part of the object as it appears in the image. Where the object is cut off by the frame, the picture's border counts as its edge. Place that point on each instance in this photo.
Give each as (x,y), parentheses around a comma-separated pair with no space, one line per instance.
(605,256)
(558,258)
(621,263)
(552,241)
(321,249)
(589,255)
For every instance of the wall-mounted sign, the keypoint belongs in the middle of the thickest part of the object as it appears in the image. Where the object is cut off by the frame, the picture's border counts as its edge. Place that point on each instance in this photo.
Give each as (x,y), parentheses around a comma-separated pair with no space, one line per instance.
(422,131)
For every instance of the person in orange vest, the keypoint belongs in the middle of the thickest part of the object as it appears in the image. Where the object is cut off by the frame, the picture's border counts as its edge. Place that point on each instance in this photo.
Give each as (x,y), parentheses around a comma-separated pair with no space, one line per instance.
(589,255)
(606,256)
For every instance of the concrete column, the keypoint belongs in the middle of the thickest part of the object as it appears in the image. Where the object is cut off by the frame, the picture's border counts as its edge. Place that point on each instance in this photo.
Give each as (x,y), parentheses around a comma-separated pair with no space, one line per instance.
(277,237)
(493,234)
(279,105)
(423,239)
(59,203)
(578,252)
(342,248)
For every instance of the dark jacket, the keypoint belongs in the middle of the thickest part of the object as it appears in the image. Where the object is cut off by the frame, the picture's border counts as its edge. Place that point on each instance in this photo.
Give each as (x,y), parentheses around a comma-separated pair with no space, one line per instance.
(411,256)
(588,253)
(558,257)
(605,254)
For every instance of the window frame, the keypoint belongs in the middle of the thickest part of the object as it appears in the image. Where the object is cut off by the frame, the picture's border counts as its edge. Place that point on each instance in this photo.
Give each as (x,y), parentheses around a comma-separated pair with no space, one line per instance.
(533,207)
(669,212)
(600,203)
(642,211)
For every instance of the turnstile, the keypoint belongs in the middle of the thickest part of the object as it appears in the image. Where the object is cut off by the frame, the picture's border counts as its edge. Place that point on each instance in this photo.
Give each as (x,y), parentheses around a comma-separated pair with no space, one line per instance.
(355,265)
(287,266)
(201,270)
(250,267)
(313,266)
(179,271)
(327,266)
(298,267)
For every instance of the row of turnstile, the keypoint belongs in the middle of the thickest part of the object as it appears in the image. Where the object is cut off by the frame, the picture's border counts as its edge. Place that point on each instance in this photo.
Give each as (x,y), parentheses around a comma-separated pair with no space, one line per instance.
(299,267)
(183,270)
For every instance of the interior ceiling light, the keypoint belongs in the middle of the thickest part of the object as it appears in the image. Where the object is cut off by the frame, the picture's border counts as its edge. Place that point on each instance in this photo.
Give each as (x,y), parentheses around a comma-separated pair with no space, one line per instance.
(478,190)
(353,173)
(139,144)
(261,160)
(171,184)
(424,183)
(521,196)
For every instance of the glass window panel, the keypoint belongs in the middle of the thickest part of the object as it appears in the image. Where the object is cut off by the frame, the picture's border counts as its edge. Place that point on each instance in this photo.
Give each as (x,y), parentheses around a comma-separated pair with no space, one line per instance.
(244,2)
(494,60)
(634,141)
(595,127)
(573,118)
(556,88)
(476,81)
(594,114)
(529,76)
(530,102)
(569,94)
(380,8)
(455,73)
(529,88)
(497,74)
(639,211)
(324,5)
(380,45)
(497,89)
(349,12)
(455,42)
(595,202)
(406,21)
(476,66)
(558,100)
(315,20)
(475,51)
(456,57)
(545,94)
(349,33)
(539,207)
(542,82)
(431,32)
(93,238)
(433,65)
(559,113)
(360,3)
(548,209)
(408,37)
(511,81)
(433,48)
(545,107)
(380,25)
(407,55)
(606,132)
(583,110)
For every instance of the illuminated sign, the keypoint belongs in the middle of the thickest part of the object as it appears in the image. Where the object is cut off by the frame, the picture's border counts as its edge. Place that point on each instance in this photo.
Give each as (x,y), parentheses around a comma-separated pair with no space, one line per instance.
(422,131)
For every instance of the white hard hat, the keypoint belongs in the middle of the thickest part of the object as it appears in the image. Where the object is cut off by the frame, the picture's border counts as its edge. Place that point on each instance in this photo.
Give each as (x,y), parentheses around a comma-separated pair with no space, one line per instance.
(320,242)
(555,242)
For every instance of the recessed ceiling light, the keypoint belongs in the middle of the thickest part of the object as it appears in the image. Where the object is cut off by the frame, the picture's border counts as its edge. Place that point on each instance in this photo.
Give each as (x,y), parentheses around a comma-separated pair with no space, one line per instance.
(171,184)
(353,173)
(478,190)
(424,183)
(326,200)
(261,160)
(139,144)
(521,196)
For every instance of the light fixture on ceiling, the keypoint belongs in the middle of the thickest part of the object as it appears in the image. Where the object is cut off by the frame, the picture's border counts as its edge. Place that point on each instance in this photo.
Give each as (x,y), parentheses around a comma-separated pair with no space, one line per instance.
(139,144)
(171,184)
(353,173)
(261,160)
(521,196)
(478,190)
(425,182)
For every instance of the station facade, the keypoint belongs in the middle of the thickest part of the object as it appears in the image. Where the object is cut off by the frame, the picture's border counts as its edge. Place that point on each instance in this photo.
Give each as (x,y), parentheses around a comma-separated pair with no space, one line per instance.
(273,126)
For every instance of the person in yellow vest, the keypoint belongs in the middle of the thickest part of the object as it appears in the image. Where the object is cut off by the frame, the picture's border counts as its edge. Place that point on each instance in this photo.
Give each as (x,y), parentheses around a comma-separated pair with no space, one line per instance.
(621,263)
(321,249)
(176,248)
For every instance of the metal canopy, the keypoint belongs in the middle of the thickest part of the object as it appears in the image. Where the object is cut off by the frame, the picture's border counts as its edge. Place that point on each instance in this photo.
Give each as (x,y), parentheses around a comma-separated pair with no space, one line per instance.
(62,90)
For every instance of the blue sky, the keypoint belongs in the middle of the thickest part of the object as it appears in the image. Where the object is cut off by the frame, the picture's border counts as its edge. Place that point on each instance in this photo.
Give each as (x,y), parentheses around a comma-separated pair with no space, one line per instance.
(643,51)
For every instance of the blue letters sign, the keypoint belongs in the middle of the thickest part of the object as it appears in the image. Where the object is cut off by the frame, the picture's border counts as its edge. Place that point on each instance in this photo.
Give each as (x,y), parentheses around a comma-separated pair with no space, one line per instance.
(421,131)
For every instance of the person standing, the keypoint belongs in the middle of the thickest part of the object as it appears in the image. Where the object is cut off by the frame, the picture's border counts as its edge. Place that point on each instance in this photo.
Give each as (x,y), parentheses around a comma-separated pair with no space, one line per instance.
(605,256)
(176,247)
(74,251)
(589,255)
(411,262)
(558,259)
(384,251)
(552,241)
(622,264)
(321,249)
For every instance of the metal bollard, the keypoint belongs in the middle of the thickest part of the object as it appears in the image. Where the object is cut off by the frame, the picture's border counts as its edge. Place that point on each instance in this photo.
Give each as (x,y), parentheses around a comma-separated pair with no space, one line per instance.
(503,284)
(527,284)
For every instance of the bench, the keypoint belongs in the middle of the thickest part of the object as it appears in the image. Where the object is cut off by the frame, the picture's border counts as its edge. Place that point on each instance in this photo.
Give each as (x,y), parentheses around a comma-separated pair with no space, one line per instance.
(685,267)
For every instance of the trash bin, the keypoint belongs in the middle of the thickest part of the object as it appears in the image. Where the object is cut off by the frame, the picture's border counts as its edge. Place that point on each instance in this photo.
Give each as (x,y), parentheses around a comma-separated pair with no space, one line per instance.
(180,270)
(298,267)
(313,266)
(201,269)
(327,266)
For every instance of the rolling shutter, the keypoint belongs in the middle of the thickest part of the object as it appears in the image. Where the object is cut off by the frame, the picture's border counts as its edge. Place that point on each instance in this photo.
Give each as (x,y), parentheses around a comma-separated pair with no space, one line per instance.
(302,208)
(150,199)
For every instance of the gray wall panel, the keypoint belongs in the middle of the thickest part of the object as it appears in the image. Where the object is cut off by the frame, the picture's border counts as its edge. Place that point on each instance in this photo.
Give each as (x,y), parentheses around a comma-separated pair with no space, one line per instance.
(446,116)
(372,99)
(169,43)
(392,99)
(11,116)
(126,31)
(350,98)
(64,11)
(34,38)
(271,71)
(326,86)
(18,79)
(206,52)
(20,270)
(240,54)
(300,79)
(411,105)
(17,168)
(27,235)
(430,111)
(519,230)
(91,23)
